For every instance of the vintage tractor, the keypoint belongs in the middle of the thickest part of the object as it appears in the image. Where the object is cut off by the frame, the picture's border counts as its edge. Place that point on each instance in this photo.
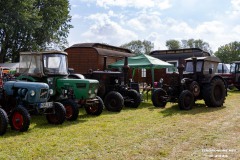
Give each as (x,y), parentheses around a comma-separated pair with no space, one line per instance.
(114,88)
(19,98)
(199,81)
(52,68)
(233,78)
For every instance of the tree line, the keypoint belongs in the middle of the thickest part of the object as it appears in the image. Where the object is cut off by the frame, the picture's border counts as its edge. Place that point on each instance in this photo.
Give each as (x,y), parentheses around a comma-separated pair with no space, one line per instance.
(227,53)
(36,25)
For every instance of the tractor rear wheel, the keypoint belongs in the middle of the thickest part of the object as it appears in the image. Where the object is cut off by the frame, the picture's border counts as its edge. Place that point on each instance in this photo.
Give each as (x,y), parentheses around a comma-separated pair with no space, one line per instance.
(57,114)
(3,121)
(159,98)
(186,100)
(214,93)
(114,101)
(133,99)
(95,109)
(72,109)
(19,119)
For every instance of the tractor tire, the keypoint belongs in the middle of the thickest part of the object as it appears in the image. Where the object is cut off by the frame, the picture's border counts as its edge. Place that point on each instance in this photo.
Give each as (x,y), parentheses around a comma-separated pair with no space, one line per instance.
(114,101)
(133,99)
(186,100)
(95,109)
(214,93)
(57,114)
(159,98)
(3,121)
(19,119)
(72,109)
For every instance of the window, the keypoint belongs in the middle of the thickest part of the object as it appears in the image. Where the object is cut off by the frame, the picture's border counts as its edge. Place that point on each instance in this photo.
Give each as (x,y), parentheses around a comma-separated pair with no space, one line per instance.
(174,69)
(143,72)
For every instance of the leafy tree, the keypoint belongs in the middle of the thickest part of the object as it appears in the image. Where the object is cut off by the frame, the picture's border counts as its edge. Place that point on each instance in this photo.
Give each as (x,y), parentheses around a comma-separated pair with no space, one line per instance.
(173,44)
(139,47)
(190,43)
(32,25)
(229,52)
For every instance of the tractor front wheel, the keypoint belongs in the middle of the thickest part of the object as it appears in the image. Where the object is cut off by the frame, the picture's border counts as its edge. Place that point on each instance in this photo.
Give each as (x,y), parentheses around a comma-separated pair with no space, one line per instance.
(57,114)
(19,119)
(3,121)
(114,101)
(95,109)
(159,98)
(186,100)
(72,109)
(133,99)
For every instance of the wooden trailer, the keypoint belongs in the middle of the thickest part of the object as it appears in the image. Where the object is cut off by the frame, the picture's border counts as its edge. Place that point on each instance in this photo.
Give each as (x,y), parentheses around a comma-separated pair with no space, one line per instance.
(84,57)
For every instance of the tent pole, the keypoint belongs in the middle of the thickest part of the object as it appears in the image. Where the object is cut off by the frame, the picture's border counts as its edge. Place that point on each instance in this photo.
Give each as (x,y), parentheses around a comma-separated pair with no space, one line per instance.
(152,70)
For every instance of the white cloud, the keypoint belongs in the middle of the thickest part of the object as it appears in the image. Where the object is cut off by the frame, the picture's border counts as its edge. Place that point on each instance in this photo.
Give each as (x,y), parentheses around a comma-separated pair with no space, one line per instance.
(161,4)
(105,30)
(235,10)
(213,27)
(237,29)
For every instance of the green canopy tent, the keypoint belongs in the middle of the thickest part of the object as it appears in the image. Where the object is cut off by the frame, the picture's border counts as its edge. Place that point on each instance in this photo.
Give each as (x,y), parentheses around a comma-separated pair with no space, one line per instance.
(143,61)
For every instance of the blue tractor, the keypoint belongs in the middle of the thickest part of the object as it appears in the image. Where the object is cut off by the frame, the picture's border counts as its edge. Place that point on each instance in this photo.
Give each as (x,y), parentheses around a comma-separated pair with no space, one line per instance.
(18,99)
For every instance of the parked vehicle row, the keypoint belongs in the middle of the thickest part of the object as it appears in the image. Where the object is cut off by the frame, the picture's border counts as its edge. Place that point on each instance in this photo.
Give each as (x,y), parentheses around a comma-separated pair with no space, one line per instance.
(44,86)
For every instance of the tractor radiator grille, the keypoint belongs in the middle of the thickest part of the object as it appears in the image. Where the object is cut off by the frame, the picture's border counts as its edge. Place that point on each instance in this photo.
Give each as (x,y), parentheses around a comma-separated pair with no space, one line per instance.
(44,93)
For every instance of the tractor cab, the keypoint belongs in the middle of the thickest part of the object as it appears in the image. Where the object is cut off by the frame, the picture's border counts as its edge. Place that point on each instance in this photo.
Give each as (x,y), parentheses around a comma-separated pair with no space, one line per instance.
(43,64)
(201,68)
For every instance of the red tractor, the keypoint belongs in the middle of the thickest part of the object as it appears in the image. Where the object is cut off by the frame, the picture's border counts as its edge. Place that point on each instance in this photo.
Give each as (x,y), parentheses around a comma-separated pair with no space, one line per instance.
(233,77)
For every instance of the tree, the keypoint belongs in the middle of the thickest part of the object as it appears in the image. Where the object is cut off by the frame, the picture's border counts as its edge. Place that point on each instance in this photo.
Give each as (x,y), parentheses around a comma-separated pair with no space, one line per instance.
(229,52)
(173,44)
(190,43)
(32,25)
(139,47)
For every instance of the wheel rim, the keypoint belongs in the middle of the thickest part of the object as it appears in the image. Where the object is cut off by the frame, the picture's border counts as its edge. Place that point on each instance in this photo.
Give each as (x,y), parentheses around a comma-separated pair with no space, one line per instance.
(69,111)
(93,108)
(17,120)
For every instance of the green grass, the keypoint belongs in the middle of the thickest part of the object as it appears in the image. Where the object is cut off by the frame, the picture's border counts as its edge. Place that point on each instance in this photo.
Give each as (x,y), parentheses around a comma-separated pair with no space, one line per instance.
(143,133)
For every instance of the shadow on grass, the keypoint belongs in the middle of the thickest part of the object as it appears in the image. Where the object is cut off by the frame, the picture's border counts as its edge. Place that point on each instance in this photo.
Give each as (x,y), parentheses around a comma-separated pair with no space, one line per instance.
(197,108)
(141,106)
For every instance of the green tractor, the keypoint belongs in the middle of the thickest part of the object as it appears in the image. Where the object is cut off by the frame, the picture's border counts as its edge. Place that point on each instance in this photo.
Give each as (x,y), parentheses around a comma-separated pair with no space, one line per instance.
(51,67)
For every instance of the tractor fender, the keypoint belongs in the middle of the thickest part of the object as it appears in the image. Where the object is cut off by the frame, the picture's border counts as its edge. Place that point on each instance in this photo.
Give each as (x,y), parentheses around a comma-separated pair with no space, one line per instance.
(220,77)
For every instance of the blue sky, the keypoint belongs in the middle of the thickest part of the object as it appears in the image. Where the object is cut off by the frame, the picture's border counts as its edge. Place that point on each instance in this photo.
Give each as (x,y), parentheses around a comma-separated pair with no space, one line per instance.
(116,22)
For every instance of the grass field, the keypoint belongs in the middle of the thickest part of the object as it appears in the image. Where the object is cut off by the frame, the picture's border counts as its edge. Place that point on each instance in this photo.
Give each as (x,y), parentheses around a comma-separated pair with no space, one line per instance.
(143,133)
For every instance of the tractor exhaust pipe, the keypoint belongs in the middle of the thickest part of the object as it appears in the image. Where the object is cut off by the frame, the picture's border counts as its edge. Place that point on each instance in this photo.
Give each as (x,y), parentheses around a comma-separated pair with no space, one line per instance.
(104,63)
(125,70)
(194,68)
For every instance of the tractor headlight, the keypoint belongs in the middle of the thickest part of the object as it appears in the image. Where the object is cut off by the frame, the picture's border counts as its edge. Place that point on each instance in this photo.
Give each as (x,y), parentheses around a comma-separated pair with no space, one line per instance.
(51,91)
(116,81)
(183,81)
(89,92)
(161,80)
(95,91)
(32,93)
